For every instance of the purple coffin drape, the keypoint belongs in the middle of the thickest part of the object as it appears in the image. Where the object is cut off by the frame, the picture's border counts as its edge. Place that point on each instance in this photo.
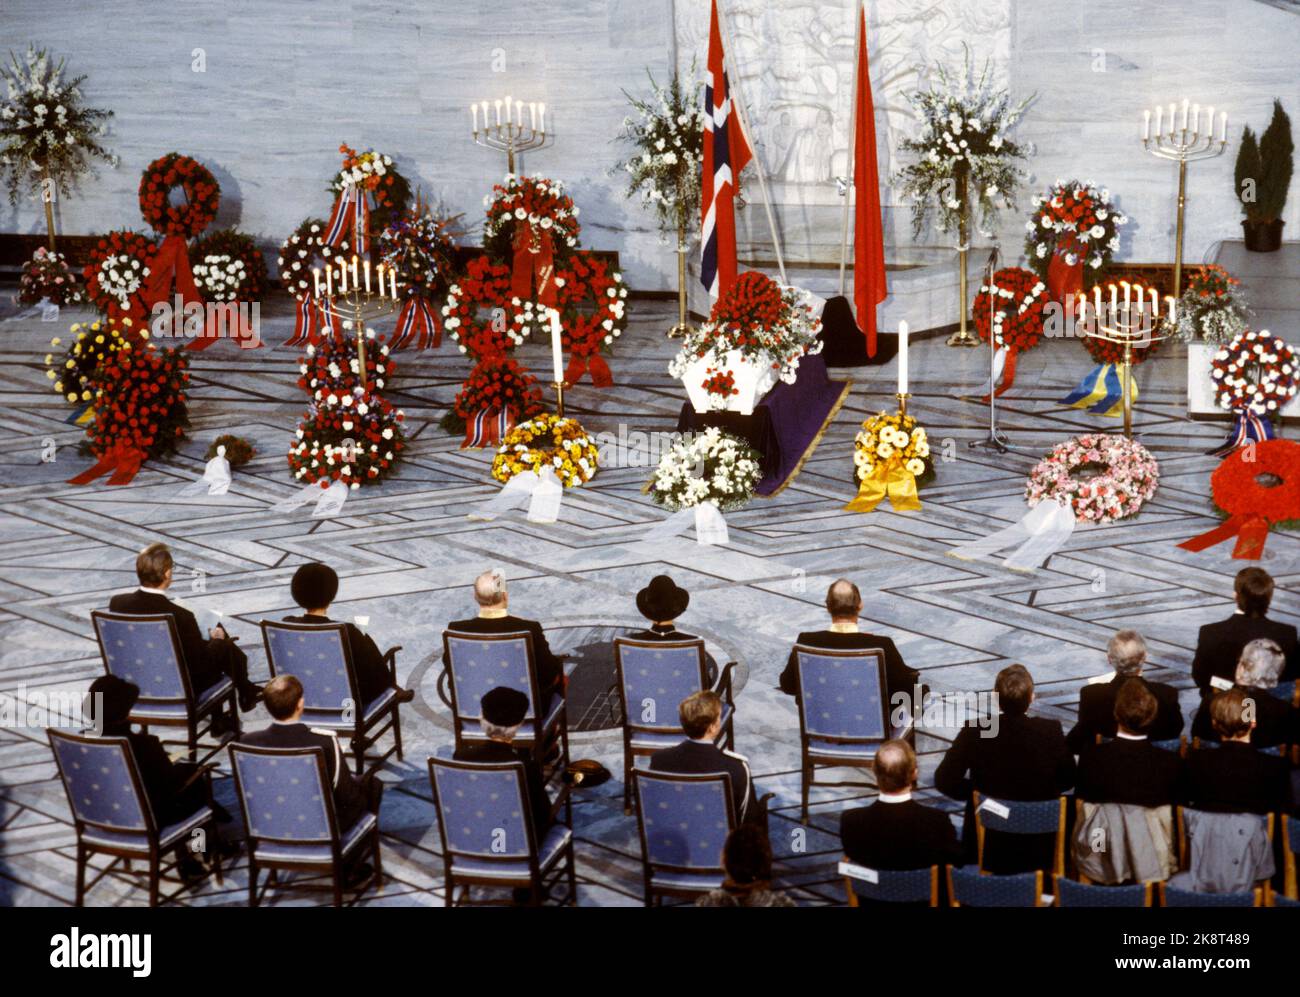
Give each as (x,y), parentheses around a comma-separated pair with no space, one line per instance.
(786,424)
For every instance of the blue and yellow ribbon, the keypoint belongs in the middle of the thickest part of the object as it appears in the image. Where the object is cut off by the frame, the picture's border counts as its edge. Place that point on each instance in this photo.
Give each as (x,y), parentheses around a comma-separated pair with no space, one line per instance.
(1101,391)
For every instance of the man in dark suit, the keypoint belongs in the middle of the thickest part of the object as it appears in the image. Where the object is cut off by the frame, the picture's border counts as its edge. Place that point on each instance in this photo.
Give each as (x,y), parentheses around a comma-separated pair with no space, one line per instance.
(662,602)
(494,618)
(1235,777)
(206,660)
(896,832)
(1018,758)
(701,717)
(1130,769)
(844,603)
(1127,653)
(1277,722)
(314,587)
(503,711)
(1219,645)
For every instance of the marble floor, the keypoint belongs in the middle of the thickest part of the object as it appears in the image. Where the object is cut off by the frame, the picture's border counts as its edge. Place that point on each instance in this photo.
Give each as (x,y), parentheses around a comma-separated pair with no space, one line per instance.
(407,555)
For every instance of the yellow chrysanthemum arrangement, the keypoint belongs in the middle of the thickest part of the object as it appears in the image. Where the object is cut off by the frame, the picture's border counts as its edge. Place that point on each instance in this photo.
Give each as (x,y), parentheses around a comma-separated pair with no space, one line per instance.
(89,344)
(884,437)
(547,440)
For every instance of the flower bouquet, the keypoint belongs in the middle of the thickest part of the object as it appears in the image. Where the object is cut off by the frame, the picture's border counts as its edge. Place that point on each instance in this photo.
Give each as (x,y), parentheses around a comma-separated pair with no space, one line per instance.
(418,248)
(498,393)
(46,277)
(140,401)
(1072,235)
(707,467)
(547,441)
(89,345)
(353,437)
(891,458)
(229,267)
(1211,309)
(371,173)
(668,134)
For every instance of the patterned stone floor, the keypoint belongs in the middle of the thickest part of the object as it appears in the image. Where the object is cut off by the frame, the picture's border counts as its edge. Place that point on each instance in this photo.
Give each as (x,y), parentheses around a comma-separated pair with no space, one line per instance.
(407,555)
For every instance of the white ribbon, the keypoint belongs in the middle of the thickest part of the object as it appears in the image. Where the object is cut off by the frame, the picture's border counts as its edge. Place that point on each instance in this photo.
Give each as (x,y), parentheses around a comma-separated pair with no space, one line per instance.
(216,477)
(329,502)
(1039,534)
(710,526)
(999,362)
(543,493)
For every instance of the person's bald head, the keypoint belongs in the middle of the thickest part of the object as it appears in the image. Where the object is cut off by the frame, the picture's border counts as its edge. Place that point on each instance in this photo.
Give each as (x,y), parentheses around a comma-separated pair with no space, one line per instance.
(490,589)
(843,600)
(895,767)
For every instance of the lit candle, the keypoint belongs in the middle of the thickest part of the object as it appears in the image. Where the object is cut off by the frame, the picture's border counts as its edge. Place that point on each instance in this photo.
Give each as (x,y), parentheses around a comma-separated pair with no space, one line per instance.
(392,281)
(473,113)
(1097,291)
(379,279)
(1114,301)
(532,113)
(1196,118)
(355,283)
(1146,125)
(555,345)
(366,268)
(1223,126)
(343,278)
(1173,120)
(1209,124)
(509,113)
(498,107)
(315,276)
(541,117)
(485,115)
(329,281)
(1160,117)
(1155,303)
(1172,318)
(902,357)
(1185,114)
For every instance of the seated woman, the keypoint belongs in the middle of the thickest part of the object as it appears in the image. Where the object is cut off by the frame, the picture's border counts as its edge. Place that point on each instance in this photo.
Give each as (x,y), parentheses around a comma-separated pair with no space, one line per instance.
(747,857)
(314,587)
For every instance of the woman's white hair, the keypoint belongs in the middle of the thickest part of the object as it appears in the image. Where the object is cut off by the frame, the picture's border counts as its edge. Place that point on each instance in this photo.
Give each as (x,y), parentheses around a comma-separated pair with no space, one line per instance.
(490,587)
(1260,664)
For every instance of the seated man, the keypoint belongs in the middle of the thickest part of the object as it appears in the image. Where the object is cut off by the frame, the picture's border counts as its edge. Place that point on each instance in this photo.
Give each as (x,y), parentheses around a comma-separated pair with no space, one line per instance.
(1276,721)
(1021,758)
(494,618)
(661,602)
(701,717)
(283,697)
(1130,769)
(314,587)
(844,603)
(1219,645)
(1127,654)
(1234,777)
(896,832)
(504,710)
(206,660)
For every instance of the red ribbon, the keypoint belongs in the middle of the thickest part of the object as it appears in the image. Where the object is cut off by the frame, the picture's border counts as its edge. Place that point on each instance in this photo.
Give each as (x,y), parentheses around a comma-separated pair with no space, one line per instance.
(1008,375)
(534,260)
(1250,530)
(121,458)
(171,262)
(595,363)
(1064,279)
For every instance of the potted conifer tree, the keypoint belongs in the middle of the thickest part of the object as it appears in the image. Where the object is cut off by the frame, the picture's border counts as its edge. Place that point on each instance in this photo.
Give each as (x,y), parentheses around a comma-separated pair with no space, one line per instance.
(1263,176)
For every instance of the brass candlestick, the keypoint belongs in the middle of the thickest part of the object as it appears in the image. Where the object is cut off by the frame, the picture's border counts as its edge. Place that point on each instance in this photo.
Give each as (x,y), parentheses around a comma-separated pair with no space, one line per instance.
(360,307)
(682,327)
(963,337)
(559,387)
(510,134)
(1131,324)
(902,401)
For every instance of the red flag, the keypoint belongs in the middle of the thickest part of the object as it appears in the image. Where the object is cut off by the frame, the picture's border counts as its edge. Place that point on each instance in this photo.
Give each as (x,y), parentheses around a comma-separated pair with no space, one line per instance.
(869,285)
(726,151)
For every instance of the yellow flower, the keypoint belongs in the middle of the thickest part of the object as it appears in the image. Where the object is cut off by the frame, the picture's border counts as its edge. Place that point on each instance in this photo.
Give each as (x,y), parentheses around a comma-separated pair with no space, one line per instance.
(915,466)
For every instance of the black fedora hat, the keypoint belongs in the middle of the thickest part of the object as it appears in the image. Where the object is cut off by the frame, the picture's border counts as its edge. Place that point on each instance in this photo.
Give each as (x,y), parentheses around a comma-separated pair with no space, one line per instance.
(115,697)
(504,707)
(662,600)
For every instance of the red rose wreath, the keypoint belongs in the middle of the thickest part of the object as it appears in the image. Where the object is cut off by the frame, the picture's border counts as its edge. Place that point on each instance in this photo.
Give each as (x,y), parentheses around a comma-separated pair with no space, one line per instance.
(1250,504)
(1019,309)
(116,276)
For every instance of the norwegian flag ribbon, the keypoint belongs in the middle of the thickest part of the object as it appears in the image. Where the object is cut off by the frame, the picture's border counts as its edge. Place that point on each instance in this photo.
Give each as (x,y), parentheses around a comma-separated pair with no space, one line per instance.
(487,428)
(419,322)
(305,320)
(351,216)
(1248,428)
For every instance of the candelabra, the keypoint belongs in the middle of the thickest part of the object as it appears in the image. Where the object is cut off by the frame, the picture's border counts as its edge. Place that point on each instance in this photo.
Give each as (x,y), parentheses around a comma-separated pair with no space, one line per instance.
(1133,322)
(510,134)
(354,300)
(1183,142)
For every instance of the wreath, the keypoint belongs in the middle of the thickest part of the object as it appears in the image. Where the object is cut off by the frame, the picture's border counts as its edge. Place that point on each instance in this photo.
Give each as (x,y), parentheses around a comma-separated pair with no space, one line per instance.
(886,437)
(1254,494)
(202,195)
(496,384)
(46,277)
(301,253)
(547,440)
(1256,372)
(1121,476)
(229,267)
(139,400)
(419,248)
(711,466)
(374,173)
(589,280)
(350,436)
(332,364)
(115,275)
(1019,309)
(1077,223)
(90,345)
(475,312)
(537,204)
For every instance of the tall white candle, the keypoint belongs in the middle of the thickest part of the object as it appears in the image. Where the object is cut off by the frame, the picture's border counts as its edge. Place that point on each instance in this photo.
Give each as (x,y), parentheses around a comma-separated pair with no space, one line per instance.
(1209,125)
(379,281)
(509,113)
(1097,292)
(1128,293)
(1185,106)
(902,357)
(1172,318)
(1160,117)
(1223,126)
(1114,301)
(343,277)
(541,117)
(355,276)
(392,282)
(367,270)
(329,281)
(532,113)
(1173,120)
(1196,118)
(315,276)
(473,113)
(555,345)
(1146,125)
(498,107)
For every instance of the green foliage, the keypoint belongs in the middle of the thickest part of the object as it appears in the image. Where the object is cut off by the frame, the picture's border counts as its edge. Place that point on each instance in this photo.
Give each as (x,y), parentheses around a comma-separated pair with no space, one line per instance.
(1264,166)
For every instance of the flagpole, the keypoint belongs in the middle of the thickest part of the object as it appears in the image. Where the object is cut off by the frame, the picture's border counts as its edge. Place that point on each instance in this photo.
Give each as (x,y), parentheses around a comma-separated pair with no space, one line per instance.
(738,106)
(853,142)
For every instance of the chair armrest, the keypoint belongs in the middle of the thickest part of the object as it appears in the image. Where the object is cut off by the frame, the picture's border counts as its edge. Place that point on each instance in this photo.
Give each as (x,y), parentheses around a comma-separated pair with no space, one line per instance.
(561,798)
(723,686)
(390,659)
(765,797)
(443,678)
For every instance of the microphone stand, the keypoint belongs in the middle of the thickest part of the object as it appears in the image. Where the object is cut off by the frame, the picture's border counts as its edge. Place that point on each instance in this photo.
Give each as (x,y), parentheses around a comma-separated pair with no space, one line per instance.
(995,441)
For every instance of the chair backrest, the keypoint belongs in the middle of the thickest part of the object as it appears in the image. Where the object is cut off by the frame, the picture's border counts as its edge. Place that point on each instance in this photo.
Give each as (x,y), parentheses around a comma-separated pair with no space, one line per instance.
(842,694)
(907,886)
(1021,817)
(1175,744)
(967,887)
(1072,894)
(285,794)
(144,650)
(684,819)
(483,809)
(318,655)
(1287,691)
(102,782)
(1291,834)
(1172,897)
(479,663)
(654,677)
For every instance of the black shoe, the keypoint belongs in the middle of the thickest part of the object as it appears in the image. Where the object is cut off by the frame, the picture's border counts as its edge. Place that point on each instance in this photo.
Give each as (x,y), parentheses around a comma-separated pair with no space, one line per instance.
(191,870)
(404,695)
(223,724)
(249,696)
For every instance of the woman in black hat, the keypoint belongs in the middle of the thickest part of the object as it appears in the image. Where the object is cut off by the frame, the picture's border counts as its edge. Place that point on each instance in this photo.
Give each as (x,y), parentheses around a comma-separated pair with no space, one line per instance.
(314,587)
(661,602)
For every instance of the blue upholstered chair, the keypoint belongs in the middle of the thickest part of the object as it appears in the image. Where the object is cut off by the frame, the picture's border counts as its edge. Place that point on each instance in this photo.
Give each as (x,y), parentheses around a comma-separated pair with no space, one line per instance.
(910,886)
(486,824)
(318,655)
(288,805)
(654,676)
(1273,899)
(969,887)
(1171,897)
(1072,894)
(684,822)
(1289,691)
(1178,745)
(843,711)
(111,810)
(1290,849)
(1200,744)
(146,651)
(1023,817)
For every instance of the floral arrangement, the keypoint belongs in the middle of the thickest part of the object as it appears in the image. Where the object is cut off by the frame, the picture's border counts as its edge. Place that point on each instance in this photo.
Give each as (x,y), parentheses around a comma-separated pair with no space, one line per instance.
(230,267)
(46,131)
(895,437)
(537,202)
(498,383)
(46,277)
(116,271)
(589,279)
(765,322)
(547,440)
(89,345)
(721,383)
(1019,309)
(1239,494)
(304,250)
(1211,308)
(669,137)
(711,466)
(482,286)
(1256,372)
(332,365)
(1121,476)
(375,174)
(202,195)
(139,401)
(964,157)
(419,248)
(1078,222)
(353,436)
(238,450)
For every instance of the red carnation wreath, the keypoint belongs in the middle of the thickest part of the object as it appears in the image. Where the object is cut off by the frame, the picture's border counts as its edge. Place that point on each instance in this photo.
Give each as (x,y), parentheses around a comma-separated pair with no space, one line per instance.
(117,275)
(1252,505)
(476,309)
(589,282)
(1019,311)
(202,195)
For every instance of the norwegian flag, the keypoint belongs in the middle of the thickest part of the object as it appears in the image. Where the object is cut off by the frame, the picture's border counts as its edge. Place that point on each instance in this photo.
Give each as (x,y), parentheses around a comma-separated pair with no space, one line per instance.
(726,151)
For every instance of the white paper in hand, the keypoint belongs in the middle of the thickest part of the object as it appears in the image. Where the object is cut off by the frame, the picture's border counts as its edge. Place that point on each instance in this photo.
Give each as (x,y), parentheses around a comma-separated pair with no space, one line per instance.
(548,494)
(514,494)
(710,527)
(331,503)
